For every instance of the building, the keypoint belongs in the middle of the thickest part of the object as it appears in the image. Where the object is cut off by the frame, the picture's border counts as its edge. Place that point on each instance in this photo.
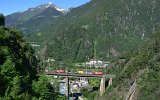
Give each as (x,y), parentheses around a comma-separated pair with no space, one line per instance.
(94,63)
(97,63)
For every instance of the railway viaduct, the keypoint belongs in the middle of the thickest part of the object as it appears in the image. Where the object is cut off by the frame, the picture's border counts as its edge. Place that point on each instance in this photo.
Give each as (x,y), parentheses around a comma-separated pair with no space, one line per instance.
(68,75)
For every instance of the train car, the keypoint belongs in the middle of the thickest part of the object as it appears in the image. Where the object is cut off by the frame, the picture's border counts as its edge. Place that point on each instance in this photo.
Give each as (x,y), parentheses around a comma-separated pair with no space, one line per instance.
(88,72)
(79,72)
(60,71)
(98,73)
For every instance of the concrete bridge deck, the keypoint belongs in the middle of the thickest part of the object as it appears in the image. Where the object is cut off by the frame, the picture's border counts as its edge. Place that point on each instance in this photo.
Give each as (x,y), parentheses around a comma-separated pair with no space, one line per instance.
(80,75)
(67,75)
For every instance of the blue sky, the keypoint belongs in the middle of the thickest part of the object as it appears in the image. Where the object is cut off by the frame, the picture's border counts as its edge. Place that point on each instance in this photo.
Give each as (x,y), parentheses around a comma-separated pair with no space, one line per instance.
(11,6)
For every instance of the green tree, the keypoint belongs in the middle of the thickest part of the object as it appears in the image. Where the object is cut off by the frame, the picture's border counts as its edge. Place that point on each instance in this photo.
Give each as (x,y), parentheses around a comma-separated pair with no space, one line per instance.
(16,72)
(2,20)
(43,88)
(2,85)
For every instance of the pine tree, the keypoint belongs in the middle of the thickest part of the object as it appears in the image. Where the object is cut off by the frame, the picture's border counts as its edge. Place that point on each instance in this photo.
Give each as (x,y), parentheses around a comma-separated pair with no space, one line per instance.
(2,20)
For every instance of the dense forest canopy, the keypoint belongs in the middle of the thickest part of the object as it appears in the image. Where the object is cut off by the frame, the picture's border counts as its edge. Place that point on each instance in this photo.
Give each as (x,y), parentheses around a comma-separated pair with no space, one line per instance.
(18,69)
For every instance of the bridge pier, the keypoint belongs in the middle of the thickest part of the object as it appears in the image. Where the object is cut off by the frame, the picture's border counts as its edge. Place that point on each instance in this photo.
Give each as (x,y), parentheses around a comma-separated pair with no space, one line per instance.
(67,86)
(110,82)
(102,86)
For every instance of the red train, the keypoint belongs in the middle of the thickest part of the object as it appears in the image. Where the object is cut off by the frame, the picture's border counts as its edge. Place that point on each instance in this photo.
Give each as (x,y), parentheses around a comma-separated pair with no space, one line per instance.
(97,73)
(60,71)
(94,73)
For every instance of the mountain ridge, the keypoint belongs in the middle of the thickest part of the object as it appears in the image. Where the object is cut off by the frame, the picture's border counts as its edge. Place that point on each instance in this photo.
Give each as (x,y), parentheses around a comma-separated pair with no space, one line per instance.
(31,12)
(115,26)
(42,14)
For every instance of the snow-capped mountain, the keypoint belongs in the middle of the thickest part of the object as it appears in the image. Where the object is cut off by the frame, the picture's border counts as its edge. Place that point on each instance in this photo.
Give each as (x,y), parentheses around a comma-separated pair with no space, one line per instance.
(51,5)
(33,18)
(22,16)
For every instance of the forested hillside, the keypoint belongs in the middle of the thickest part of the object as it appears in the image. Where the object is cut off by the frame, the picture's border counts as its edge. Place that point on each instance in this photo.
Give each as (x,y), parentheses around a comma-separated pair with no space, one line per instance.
(141,67)
(18,69)
(105,28)
(127,30)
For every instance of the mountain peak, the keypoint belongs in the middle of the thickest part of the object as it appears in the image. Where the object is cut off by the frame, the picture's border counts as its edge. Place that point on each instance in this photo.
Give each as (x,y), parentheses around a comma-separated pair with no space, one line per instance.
(49,4)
